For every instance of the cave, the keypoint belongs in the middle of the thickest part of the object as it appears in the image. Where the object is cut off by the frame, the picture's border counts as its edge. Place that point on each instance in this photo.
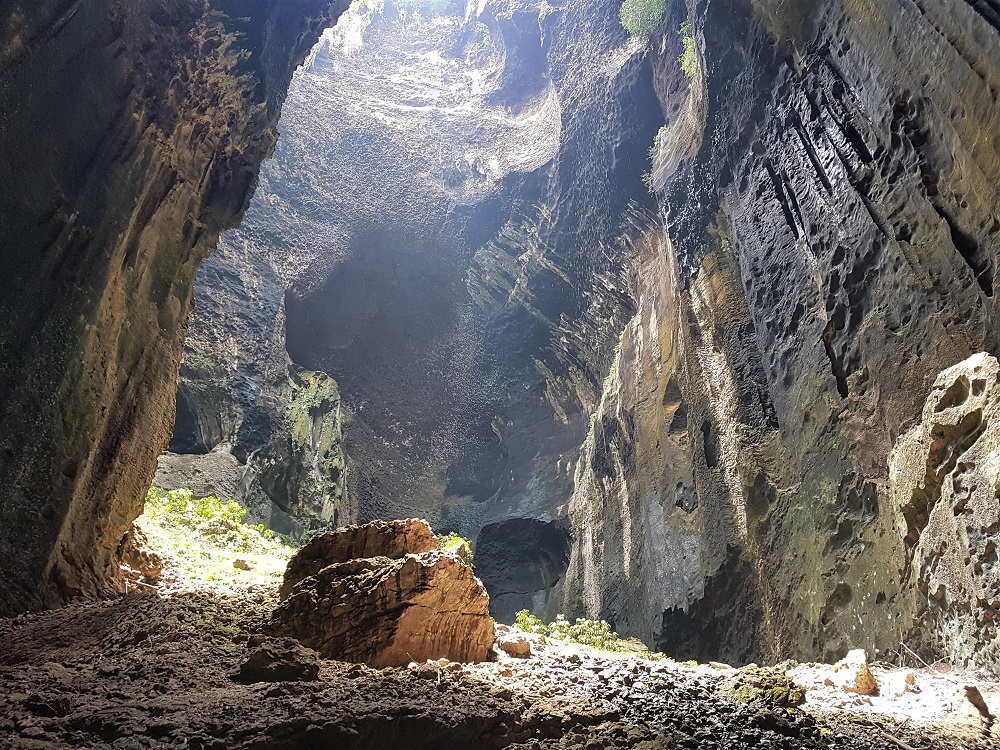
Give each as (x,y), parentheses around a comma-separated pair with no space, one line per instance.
(670,320)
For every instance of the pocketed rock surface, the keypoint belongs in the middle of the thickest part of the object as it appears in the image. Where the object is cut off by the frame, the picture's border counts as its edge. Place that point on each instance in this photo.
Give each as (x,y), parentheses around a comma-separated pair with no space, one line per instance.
(151,671)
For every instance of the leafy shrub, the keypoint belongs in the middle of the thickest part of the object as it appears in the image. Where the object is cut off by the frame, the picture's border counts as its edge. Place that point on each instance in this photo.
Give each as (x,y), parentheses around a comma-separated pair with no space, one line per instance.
(212,520)
(688,58)
(594,633)
(457,545)
(641,17)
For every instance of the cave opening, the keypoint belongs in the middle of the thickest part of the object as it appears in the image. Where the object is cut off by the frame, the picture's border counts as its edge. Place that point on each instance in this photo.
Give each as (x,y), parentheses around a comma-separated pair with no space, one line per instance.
(455,189)
(498,387)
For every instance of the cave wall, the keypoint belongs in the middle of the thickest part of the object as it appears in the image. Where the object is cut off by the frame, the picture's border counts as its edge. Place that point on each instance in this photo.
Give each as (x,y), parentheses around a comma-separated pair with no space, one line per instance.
(828,186)
(131,135)
(455,250)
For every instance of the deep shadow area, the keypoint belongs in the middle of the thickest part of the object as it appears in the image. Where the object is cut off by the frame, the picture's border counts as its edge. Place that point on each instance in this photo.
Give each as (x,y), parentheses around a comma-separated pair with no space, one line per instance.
(519,561)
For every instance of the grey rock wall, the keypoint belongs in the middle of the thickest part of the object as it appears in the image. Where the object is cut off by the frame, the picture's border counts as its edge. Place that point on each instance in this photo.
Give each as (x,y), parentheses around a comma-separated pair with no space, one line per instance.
(446,229)
(829,191)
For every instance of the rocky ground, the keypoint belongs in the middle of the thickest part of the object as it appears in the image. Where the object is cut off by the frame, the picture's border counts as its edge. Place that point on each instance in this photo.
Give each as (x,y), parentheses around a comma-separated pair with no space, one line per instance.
(154,670)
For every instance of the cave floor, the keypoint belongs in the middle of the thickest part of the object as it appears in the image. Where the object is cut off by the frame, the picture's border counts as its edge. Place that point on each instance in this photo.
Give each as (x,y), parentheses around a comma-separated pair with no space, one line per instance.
(152,671)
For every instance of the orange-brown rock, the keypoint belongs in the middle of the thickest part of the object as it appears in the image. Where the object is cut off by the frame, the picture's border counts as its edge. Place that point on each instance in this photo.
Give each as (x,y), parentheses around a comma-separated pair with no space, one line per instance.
(391,539)
(383,611)
(140,564)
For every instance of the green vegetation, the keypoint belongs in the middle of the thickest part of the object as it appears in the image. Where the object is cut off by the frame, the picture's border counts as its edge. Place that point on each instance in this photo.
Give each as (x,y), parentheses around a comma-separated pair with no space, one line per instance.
(647,180)
(641,17)
(591,633)
(594,633)
(613,372)
(688,58)
(205,540)
(457,545)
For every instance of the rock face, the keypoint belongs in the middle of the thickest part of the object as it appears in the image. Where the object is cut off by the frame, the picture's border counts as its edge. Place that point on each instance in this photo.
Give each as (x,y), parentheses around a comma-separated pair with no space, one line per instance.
(828,185)
(445,230)
(119,173)
(379,601)
(276,443)
(945,482)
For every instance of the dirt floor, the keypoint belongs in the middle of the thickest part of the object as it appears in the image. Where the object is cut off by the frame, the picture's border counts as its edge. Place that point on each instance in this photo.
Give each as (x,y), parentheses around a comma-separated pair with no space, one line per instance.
(154,671)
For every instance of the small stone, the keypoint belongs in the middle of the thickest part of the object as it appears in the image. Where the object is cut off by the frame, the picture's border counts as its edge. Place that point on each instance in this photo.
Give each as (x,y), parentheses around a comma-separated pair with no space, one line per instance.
(855,676)
(240,564)
(515,645)
(281,660)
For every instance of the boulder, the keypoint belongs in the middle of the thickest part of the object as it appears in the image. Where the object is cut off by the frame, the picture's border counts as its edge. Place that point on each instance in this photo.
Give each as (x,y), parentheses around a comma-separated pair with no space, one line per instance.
(766,685)
(392,539)
(853,674)
(281,660)
(388,608)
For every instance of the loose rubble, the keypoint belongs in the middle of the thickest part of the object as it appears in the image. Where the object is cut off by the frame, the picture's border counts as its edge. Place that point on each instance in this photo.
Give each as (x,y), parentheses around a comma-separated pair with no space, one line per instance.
(147,671)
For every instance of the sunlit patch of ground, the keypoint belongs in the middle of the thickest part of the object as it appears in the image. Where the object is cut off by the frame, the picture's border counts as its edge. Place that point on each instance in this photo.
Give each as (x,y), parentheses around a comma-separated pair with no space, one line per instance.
(154,670)
(205,544)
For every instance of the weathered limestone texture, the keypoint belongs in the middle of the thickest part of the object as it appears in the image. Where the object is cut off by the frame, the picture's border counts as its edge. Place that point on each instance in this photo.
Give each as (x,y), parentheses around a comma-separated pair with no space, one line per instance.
(828,187)
(446,230)
(386,595)
(392,539)
(276,444)
(945,482)
(131,135)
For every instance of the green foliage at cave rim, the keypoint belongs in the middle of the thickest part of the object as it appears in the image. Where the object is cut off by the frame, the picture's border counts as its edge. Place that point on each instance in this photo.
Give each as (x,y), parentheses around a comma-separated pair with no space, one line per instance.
(215,521)
(641,17)
(688,58)
(457,545)
(595,634)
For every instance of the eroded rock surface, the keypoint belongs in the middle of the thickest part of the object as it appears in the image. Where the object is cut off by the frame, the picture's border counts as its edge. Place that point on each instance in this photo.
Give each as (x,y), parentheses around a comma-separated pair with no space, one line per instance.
(282,660)
(131,137)
(445,229)
(945,480)
(828,184)
(392,539)
(155,672)
(384,594)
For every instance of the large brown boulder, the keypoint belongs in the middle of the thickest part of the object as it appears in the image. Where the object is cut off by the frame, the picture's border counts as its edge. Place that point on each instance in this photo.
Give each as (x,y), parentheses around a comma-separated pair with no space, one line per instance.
(409,603)
(391,539)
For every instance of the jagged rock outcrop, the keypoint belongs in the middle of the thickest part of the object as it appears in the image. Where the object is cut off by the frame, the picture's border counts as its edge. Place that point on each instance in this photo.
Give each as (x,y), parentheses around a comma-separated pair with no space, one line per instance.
(828,180)
(282,450)
(944,479)
(141,564)
(131,136)
(383,598)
